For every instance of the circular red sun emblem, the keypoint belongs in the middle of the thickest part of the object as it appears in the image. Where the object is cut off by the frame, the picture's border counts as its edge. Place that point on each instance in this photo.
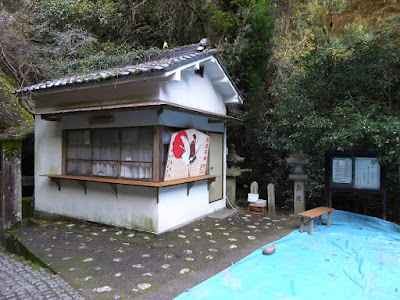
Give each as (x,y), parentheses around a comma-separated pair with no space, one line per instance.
(178,148)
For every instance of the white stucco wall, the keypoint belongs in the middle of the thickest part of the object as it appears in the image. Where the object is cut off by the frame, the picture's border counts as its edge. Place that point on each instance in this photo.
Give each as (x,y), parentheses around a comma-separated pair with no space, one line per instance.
(193,91)
(135,207)
(48,148)
(176,208)
(122,119)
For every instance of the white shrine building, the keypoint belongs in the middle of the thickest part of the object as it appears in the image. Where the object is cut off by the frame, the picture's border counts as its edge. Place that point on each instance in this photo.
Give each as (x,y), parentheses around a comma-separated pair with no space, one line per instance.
(101,141)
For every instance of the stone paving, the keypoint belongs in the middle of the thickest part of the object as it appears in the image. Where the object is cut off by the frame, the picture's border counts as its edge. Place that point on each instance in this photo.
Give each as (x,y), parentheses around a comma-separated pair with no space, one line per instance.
(103,262)
(20,280)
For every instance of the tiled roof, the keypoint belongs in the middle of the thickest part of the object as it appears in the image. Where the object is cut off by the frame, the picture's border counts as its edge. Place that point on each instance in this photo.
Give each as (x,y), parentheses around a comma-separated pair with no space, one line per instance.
(170,59)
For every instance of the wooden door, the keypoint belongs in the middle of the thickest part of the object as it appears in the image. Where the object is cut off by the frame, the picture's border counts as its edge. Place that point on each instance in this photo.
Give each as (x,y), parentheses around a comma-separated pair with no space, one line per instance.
(215,166)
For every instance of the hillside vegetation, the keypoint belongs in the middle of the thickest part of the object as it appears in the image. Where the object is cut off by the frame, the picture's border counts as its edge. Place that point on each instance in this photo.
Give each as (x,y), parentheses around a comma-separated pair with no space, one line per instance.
(316,75)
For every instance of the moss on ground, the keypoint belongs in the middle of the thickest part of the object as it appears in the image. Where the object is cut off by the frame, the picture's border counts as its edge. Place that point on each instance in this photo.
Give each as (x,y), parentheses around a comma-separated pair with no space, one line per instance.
(16,246)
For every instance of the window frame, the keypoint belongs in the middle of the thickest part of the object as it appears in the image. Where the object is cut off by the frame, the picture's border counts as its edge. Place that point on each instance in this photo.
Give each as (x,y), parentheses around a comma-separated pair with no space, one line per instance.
(156,157)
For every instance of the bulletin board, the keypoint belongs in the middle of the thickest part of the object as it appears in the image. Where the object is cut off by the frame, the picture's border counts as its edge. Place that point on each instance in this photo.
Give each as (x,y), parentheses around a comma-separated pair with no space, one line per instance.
(354,172)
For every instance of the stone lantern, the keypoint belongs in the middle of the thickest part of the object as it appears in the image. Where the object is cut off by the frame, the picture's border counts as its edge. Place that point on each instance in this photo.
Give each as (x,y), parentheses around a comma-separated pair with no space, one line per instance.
(232,172)
(298,161)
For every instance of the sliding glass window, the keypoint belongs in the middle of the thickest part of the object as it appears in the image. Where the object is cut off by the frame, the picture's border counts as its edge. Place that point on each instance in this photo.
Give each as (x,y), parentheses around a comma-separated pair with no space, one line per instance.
(116,152)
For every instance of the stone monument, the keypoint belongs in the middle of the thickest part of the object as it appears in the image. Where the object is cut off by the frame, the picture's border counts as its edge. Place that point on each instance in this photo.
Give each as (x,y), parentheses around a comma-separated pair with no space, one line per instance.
(271,199)
(254,187)
(298,161)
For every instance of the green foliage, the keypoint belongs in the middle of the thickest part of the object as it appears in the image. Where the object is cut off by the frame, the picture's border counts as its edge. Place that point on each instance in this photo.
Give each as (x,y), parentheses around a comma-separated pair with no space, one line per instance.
(75,43)
(11,148)
(342,98)
(45,39)
(224,23)
(339,98)
(69,14)
(333,67)
(251,51)
(14,120)
(247,59)
(242,31)
(108,57)
(145,22)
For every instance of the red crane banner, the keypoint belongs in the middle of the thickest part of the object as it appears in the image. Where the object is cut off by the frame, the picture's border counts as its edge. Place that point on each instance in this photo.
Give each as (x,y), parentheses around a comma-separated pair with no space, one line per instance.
(187,154)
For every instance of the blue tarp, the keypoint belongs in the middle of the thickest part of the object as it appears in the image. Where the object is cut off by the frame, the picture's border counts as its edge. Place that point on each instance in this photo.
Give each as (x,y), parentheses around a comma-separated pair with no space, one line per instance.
(357,257)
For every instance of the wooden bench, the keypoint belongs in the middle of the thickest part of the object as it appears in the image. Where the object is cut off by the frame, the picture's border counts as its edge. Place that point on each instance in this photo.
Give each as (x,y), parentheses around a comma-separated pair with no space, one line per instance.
(314,213)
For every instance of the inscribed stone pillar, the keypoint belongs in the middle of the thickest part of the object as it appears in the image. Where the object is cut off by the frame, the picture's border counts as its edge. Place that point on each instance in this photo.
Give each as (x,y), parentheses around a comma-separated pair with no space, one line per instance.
(12,190)
(254,187)
(271,199)
(298,161)
(299,197)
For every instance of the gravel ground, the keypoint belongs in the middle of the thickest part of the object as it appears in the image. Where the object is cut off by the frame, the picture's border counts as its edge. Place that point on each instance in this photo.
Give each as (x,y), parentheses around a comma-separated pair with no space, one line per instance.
(103,262)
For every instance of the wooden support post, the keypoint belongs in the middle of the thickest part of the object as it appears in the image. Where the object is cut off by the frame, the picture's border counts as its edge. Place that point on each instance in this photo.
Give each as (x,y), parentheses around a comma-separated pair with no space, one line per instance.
(329,220)
(311,226)
(302,224)
(157,154)
(57,181)
(384,204)
(114,188)
(330,199)
(211,180)
(12,187)
(189,186)
(83,184)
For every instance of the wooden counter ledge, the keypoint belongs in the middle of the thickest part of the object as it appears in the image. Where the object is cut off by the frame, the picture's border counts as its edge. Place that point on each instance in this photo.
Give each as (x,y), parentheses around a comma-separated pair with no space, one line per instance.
(131,181)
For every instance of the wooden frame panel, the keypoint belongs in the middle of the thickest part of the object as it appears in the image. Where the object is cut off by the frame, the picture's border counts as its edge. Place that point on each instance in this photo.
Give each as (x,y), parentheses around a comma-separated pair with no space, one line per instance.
(155,151)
